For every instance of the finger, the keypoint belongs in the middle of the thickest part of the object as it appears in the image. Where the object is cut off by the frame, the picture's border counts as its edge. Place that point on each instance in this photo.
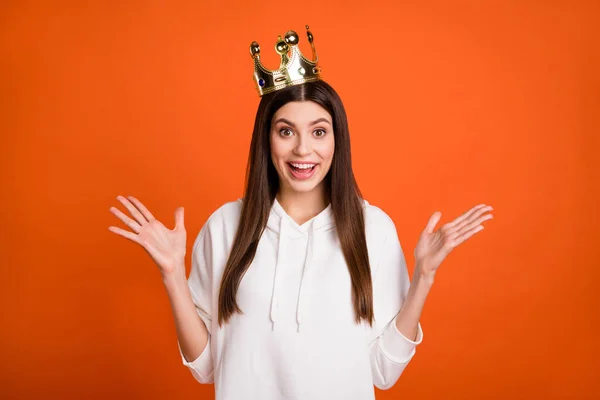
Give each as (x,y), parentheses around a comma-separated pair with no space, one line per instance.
(433,220)
(461,238)
(466,215)
(133,210)
(147,214)
(179,218)
(131,236)
(476,219)
(134,226)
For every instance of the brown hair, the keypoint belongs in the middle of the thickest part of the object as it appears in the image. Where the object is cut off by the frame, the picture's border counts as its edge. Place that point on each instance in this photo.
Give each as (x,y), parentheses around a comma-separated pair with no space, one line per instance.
(262,184)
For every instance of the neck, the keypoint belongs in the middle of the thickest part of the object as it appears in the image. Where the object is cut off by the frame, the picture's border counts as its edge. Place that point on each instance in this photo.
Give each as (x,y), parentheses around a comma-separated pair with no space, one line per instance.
(302,206)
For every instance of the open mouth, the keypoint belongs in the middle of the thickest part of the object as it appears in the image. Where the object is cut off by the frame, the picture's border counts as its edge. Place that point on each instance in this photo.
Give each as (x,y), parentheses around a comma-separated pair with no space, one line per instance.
(302,171)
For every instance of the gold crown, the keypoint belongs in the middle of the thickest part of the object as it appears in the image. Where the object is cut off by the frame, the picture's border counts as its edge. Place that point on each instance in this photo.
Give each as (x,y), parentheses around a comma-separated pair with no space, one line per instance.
(294,68)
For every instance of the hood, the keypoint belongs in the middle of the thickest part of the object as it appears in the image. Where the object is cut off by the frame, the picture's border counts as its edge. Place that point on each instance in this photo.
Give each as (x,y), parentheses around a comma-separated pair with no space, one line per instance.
(282,224)
(279,219)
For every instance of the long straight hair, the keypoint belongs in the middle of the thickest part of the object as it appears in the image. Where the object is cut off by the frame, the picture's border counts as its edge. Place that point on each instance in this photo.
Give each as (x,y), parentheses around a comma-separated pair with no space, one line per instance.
(262,185)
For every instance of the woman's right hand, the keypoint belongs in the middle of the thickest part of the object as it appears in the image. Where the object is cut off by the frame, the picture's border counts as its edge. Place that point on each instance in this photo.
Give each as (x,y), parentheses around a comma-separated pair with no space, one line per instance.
(165,246)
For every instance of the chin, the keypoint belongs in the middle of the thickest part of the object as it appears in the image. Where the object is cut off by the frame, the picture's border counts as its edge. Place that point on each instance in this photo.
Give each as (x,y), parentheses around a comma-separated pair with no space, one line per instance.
(303,187)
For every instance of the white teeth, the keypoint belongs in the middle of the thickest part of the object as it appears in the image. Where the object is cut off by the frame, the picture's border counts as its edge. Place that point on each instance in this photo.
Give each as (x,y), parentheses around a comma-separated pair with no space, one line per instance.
(303,166)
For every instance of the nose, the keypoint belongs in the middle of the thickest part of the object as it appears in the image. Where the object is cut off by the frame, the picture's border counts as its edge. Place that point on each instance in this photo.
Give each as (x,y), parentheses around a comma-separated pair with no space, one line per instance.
(303,146)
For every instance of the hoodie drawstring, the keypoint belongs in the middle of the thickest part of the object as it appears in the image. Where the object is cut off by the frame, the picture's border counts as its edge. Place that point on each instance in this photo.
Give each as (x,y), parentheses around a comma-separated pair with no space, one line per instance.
(280,223)
(300,315)
(309,253)
(274,301)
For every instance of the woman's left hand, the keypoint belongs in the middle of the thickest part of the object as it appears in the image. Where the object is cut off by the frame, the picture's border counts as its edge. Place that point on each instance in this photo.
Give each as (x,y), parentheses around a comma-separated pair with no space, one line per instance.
(433,247)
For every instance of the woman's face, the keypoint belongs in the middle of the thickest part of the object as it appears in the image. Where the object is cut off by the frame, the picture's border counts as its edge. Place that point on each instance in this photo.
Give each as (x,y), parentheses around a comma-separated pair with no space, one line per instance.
(302,145)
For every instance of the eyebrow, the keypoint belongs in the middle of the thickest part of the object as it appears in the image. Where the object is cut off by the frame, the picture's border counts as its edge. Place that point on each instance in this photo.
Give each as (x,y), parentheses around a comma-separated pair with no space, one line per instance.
(316,121)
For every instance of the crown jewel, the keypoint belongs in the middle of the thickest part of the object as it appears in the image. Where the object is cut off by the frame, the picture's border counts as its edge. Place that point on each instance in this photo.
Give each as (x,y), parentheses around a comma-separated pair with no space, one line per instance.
(294,68)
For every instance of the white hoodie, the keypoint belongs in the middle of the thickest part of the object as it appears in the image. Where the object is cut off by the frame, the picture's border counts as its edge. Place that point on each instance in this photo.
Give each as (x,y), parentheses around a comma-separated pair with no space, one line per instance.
(297,337)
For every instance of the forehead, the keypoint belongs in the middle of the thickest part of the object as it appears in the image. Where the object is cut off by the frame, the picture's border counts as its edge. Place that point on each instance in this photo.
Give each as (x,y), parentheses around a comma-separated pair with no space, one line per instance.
(301,112)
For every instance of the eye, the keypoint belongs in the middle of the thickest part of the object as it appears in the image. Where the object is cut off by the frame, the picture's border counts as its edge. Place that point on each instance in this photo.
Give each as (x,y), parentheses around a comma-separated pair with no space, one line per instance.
(320,132)
(285,132)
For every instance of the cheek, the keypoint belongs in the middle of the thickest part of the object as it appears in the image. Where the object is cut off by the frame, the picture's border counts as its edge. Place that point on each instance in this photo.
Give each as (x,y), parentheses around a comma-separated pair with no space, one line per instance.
(278,149)
(327,149)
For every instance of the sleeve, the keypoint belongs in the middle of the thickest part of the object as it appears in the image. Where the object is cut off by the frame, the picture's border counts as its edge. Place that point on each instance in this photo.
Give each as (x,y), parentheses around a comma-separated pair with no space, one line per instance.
(200,285)
(390,350)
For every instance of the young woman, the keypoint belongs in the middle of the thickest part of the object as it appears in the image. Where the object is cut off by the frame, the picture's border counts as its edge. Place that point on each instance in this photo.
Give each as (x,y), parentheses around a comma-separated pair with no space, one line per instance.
(300,290)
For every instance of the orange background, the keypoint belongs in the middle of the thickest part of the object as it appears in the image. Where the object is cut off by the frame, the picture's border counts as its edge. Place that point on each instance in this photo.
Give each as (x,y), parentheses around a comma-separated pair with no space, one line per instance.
(450,104)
